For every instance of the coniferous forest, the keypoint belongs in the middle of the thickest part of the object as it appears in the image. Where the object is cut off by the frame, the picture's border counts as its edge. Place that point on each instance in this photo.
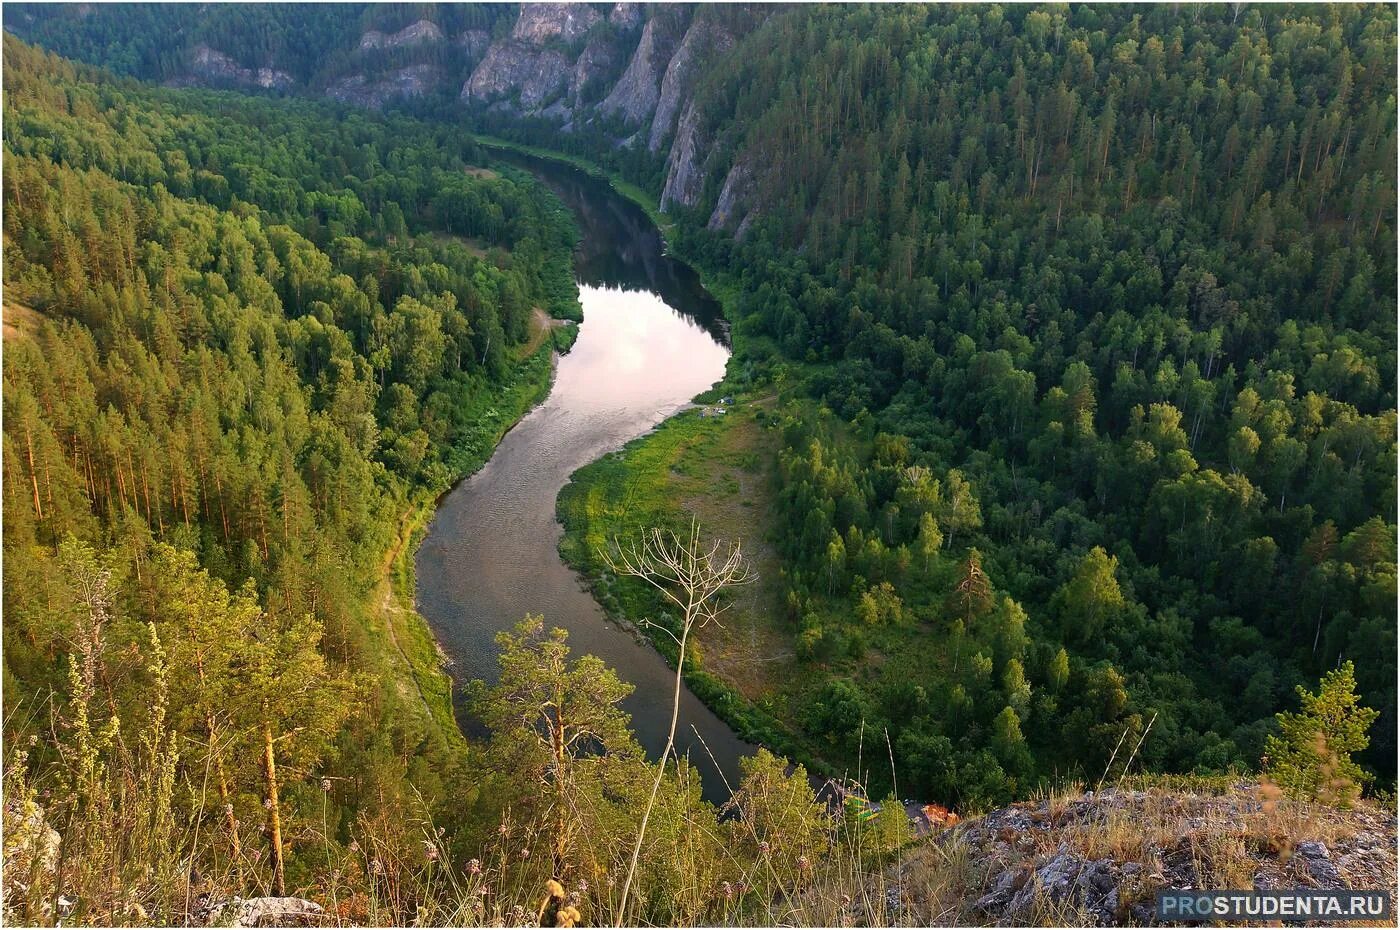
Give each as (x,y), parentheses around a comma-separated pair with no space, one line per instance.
(1067,336)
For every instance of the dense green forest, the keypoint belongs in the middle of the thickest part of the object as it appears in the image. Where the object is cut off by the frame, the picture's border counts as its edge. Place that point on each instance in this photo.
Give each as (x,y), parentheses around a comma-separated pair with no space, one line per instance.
(1102,305)
(1108,298)
(243,342)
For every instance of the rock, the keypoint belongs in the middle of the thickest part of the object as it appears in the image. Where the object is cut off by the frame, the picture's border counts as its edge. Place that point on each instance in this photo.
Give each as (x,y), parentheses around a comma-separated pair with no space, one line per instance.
(732,208)
(703,41)
(596,64)
(540,22)
(267,912)
(634,96)
(475,41)
(1066,879)
(213,66)
(537,74)
(559,110)
(685,179)
(413,34)
(626,16)
(1316,860)
(403,84)
(531,61)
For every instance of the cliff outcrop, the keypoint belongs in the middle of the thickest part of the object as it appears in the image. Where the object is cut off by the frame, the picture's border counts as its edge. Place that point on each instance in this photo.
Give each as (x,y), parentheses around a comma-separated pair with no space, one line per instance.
(1100,858)
(212,67)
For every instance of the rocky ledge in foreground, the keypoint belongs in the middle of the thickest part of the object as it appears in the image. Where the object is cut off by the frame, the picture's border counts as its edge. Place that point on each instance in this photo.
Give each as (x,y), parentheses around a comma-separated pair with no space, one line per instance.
(1099,858)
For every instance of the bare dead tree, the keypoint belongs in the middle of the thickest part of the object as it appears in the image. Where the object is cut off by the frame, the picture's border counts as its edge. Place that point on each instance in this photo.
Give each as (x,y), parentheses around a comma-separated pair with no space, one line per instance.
(691,576)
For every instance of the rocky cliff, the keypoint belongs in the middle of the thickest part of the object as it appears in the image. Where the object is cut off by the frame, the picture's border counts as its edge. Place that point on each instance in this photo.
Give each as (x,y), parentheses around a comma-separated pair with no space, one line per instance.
(534,72)
(685,178)
(704,42)
(212,67)
(416,34)
(629,72)
(401,84)
(634,97)
(1099,858)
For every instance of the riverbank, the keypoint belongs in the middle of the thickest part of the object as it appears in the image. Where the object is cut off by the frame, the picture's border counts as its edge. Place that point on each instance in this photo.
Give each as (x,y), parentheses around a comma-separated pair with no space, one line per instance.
(623,187)
(411,638)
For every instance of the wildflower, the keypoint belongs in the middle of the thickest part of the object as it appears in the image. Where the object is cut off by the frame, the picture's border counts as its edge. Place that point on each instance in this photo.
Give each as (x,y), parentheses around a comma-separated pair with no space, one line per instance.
(325,784)
(611,881)
(525,853)
(763,847)
(803,863)
(503,829)
(583,886)
(65,904)
(517,915)
(257,854)
(228,809)
(483,891)
(376,866)
(474,867)
(354,846)
(33,740)
(430,850)
(267,804)
(728,890)
(441,831)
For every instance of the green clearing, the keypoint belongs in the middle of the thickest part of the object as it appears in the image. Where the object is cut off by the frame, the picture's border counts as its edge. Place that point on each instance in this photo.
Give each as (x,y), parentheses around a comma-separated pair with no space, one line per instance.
(718,470)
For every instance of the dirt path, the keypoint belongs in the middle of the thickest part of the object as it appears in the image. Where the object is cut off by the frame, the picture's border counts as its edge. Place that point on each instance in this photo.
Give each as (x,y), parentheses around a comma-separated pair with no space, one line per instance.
(541,325)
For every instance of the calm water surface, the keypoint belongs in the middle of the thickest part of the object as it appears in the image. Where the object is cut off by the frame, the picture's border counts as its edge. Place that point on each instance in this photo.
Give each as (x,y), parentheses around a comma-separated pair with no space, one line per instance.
(651,339)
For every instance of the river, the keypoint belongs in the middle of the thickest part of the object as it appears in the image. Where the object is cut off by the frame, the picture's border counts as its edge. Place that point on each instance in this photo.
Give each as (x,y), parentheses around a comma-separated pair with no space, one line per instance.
(652,338)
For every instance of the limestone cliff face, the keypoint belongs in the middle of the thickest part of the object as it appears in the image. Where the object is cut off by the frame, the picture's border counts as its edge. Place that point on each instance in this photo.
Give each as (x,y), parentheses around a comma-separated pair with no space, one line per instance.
(733,210)
(511,66)
(540,22)
(532,62)
(417,33)
(704,41)
(685,178)
(211,66)
(475,41)
(403,84)
(634,97)
(626,16)
(599,62)
(630,68)
(541,70)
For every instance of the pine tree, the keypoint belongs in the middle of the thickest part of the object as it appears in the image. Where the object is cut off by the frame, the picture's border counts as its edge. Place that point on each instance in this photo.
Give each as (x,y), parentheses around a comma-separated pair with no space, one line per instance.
(1310,757)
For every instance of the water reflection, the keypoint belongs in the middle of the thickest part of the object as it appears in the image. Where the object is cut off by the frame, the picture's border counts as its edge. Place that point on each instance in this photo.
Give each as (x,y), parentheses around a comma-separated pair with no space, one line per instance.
(622,249)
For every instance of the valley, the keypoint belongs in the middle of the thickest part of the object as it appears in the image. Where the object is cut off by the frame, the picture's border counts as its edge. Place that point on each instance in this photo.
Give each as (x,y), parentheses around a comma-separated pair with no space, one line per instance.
(366,368)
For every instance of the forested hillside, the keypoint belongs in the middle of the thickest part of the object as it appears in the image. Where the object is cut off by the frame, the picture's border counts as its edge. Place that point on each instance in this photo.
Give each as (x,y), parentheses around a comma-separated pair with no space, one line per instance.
(308,43)
(1104,302)
(248,342)
(1102,305)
